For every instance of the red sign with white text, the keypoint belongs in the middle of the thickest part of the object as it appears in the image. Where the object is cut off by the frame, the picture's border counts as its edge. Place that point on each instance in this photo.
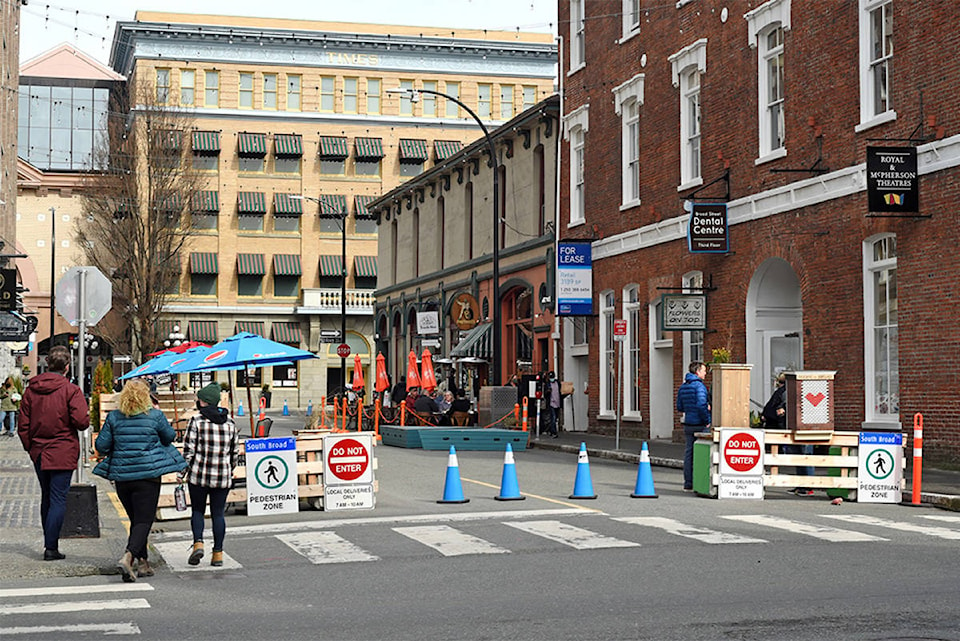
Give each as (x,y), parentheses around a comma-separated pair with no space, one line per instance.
(742,454)
(348,459)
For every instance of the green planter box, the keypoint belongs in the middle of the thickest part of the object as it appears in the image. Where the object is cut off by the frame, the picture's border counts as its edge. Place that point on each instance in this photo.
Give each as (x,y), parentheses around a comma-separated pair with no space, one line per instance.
(701,467)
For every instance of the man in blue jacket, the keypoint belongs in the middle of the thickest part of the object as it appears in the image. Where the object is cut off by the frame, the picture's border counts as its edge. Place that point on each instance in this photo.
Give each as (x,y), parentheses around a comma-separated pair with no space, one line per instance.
(694,402)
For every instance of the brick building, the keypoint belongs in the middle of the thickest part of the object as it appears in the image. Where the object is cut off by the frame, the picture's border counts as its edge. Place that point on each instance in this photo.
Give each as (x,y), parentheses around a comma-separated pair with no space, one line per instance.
(768,108)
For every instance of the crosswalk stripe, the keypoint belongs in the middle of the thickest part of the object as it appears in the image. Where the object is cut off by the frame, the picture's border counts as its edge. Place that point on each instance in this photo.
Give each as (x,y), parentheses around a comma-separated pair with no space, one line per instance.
(105,628)
(73,606)
(836,535)
(571,535)
(691,532)
(949,518)
(75,589)
(325,547)
(175,554)
(449,541)
(929,530)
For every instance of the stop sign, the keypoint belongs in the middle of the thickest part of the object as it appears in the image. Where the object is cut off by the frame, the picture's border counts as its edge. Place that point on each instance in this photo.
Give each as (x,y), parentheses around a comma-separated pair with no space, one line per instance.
(97,295)
(742,452)
(348,459)
(343,350)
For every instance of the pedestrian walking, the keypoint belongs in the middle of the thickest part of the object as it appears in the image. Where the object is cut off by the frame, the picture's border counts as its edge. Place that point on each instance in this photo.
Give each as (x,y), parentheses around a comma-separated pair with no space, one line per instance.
(211,448)
(775,418)
(693,401)
(52,413)
(9,401)
(553,405)
(136,441)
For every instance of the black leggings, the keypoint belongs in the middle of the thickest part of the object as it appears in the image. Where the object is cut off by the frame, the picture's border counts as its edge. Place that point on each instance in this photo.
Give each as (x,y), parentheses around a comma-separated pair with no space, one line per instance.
(218,503)
(139,499)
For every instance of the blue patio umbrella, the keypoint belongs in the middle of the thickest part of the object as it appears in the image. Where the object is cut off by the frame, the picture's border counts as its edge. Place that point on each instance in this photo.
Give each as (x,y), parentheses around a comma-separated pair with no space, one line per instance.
(156,365)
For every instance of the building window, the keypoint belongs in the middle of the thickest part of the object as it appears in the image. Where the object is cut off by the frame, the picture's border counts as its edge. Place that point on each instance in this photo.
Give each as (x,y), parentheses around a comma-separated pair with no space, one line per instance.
(627,100)
(881,338)
(350,95)
(631,18)
(770,83)
(540,175)
(690,127)
(578,45)
(366,167)
(692,340)
(429,100)
(326,93)
(373,95)
(876,57)
(452,108)
(286,286)
(249,285)
(203,284)
(250,222)
(579,333)
(270,91)
(163,86)
(468,223)
(529,96)
(286,223)
(576,124)
(406,102)
(410,169)
(506,102)
(415,240)
(484,98)
(188,85)
(246,90)
(211,89)
(631,361)
(608,355)
(294,90)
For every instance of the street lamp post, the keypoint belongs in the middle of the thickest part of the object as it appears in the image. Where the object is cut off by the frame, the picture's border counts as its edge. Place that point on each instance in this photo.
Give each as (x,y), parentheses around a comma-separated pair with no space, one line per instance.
(495,355)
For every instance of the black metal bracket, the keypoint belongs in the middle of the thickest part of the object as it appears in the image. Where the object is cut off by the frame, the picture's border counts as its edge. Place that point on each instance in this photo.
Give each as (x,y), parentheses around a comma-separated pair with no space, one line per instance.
(724,177)
(815,168)
(913,138)
(708,288)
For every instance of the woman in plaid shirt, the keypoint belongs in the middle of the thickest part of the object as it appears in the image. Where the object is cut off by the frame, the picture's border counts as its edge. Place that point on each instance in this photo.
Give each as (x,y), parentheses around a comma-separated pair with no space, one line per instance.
(210,447)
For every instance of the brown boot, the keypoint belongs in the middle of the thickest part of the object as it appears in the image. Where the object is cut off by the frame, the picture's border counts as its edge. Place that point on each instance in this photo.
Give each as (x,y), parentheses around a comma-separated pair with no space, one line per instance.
(196,553)
(216,560)
(126,568)
(144,569)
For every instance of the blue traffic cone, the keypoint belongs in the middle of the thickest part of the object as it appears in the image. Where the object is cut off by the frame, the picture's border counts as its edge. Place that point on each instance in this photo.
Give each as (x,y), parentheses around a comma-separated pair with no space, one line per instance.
(509,489)
(286,410)
(239,408)
(644,488)
(583,485)
(452,490)
(309,408)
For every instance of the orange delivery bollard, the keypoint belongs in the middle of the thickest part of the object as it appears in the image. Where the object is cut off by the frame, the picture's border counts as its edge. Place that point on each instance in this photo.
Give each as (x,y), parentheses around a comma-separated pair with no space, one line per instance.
(917,458)
(516,413)
(525,426)
(403,412)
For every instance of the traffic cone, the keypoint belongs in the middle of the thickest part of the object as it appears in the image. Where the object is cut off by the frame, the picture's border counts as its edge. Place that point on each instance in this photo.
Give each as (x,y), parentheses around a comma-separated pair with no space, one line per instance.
(644,488)
(263,409)
(239,408)
(583,485)
(452,489)
(509,489)
(286,410)
(310,408)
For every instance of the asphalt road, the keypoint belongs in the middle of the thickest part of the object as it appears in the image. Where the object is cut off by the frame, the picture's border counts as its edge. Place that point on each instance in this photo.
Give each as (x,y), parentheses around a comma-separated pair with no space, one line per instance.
(676,567)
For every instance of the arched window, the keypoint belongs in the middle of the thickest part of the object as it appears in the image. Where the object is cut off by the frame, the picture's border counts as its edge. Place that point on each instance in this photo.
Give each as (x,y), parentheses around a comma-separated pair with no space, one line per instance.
(518,307)
(880,332)
(631,360)
(608,361)
(693,340)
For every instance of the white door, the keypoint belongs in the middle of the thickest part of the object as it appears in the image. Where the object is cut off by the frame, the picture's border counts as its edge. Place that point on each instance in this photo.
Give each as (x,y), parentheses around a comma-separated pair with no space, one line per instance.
(661,378)
(575,409)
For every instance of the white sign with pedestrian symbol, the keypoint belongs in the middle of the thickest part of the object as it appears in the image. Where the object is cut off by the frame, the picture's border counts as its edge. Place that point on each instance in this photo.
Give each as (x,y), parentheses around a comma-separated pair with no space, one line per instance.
(272,476)
(880,469)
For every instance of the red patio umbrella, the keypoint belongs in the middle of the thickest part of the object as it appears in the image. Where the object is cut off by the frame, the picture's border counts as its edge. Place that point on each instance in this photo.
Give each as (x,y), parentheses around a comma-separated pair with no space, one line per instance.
(428,378)
(413,376)
(179,349)
(358,383)
(383,383)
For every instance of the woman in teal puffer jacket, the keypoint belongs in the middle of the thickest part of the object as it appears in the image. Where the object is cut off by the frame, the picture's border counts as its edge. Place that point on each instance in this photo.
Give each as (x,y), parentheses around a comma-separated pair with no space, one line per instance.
(136,442)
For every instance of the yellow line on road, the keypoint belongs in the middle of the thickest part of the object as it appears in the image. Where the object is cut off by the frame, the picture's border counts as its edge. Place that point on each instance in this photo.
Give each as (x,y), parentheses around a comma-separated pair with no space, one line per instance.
(542,498)
(118,506)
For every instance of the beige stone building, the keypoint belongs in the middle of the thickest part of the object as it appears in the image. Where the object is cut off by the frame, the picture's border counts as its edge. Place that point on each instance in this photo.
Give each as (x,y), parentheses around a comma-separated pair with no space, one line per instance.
(296,132)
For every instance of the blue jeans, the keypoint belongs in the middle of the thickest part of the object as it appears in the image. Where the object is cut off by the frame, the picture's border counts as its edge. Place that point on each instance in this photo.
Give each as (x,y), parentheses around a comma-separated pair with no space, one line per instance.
(10,421)
(54,486)
(690,432)
(198,504)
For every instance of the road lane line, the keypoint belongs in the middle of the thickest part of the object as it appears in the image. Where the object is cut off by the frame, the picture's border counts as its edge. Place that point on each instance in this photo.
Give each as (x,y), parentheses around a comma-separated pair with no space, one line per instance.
(449,541)
(571,535)
(325,547)
(579,508)
(74,606)
(948,518)
(689,531)
(75,589)
(105,628)
(928,530)
(176,554)
(826,533)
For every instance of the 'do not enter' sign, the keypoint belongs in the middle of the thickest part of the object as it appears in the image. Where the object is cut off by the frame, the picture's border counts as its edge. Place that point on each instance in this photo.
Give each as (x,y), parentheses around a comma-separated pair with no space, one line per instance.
(743,454)
(348,459)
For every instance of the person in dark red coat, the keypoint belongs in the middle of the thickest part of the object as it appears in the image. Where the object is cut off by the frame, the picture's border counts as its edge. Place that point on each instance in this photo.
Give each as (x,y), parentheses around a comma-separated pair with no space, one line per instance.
(52,413)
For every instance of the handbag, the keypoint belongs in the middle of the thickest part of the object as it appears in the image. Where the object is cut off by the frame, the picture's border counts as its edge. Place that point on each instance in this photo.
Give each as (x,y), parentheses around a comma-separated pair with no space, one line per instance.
(180,498)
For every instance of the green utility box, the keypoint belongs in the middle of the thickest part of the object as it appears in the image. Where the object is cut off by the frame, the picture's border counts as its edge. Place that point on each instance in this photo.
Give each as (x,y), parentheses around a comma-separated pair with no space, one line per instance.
(835,471)
(702,449)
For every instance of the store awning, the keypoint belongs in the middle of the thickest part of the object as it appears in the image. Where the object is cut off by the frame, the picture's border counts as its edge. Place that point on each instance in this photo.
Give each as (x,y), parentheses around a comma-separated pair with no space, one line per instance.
(334,147)
(287,265)
(170,203)
(252,145)
(165,327)
(368,148)
(286,333)
(476,344)
(205,201)
(205,142)
(204,263)
(250,265)
(203,332)
(443,149)
(286,205)
(168,139)
(254,327)
(331,265)
(360,206)
(413,150)
(287,145)
(251,203)
(365,266)
(333,206)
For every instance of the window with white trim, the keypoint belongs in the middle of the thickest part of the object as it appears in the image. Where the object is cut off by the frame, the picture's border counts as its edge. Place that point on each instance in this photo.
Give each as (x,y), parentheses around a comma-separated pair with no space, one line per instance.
(882,363)
(693,340)
(188,87)
(627,100)
(876,62)
(608,355)
(631,361)
(771,90)
(576,124)
(579,330)
(578,45)
(631,18)
(687,65)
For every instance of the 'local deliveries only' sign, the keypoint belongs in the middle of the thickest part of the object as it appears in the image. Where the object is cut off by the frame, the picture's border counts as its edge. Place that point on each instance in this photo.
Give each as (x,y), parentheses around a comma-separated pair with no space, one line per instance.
(272,476)
(741,464)
(348,471)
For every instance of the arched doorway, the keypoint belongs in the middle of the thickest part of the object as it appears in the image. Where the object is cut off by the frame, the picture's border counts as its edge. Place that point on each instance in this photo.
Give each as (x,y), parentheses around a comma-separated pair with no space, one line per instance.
(518,332)
(774,325)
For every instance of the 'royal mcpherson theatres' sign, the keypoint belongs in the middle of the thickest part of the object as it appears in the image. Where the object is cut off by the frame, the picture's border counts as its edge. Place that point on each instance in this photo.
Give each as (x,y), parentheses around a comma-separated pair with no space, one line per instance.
(893,184)
(574,278)
(707,233)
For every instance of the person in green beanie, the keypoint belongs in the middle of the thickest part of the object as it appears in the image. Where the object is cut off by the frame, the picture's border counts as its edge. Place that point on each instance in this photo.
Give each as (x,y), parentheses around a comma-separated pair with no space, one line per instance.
(211,448)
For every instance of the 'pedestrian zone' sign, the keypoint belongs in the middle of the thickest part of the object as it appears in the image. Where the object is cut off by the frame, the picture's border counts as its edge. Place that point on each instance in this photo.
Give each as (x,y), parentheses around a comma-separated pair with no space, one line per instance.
(741,464)
(272,486)
(880,467)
